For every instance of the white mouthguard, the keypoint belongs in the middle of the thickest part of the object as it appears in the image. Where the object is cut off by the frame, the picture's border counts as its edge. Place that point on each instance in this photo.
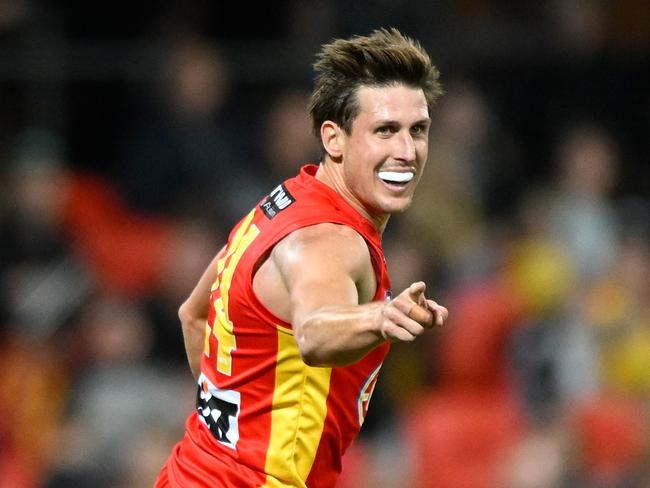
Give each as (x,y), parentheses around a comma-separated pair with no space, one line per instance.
(395,177)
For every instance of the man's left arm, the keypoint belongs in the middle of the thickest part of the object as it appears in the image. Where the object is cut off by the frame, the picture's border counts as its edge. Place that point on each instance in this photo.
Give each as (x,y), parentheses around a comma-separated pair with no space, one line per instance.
(193,314)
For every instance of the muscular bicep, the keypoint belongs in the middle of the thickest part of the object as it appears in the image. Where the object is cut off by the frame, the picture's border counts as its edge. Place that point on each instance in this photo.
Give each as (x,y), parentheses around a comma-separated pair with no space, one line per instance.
(324,265)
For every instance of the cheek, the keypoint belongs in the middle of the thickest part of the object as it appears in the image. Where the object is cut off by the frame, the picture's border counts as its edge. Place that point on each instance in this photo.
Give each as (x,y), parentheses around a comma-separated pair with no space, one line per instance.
(362,159)
(357,174)
(423,151)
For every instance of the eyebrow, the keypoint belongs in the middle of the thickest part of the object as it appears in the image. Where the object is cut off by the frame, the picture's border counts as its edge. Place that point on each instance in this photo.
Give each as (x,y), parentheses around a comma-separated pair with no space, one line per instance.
(395,122)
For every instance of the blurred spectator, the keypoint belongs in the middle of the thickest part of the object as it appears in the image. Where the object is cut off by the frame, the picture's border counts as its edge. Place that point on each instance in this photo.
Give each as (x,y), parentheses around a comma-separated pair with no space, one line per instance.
(61,239)
(617,307)
(118,399)
(287,140)
(583,217)
(183,152)
(42,285)
(470,174)
(42,280)
(553,350)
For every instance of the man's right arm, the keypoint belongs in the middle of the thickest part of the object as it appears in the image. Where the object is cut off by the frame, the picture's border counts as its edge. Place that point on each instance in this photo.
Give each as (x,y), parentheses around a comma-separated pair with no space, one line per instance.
(321,267)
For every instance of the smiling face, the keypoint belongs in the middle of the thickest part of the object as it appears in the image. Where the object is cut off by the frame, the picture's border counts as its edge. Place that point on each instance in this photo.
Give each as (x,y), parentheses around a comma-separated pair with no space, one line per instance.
(381,160)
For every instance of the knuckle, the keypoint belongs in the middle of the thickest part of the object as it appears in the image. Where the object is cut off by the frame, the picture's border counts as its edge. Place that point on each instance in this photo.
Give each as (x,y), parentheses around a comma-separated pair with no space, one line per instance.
(392,314)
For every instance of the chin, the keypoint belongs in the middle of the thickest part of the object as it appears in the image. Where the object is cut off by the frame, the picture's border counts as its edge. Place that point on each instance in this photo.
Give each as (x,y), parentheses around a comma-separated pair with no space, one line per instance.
(396,207)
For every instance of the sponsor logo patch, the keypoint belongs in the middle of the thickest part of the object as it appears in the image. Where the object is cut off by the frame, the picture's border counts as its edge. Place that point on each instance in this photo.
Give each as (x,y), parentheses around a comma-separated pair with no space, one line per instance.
(278,200)
(219,411)
(363,401)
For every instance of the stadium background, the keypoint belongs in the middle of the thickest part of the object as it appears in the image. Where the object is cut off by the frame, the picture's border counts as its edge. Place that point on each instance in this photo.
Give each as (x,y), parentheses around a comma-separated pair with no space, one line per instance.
(132,136)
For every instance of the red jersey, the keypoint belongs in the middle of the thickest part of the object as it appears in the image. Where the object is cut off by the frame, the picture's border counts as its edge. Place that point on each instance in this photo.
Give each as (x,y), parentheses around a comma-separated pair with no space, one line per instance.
(265,418)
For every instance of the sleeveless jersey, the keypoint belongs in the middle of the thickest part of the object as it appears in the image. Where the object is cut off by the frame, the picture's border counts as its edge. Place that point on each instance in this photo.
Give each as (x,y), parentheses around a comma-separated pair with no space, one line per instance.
(265,418)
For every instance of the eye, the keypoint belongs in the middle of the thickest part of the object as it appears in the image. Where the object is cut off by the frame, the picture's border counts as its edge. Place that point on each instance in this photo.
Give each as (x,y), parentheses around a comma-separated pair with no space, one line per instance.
(419,129)
(385,130)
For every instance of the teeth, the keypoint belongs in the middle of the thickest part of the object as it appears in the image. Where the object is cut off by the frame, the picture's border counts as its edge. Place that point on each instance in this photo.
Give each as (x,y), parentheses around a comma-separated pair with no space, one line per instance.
(395,177)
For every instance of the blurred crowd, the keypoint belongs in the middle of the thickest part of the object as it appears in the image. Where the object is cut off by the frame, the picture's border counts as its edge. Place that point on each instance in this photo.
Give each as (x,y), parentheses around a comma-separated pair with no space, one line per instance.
(531,224)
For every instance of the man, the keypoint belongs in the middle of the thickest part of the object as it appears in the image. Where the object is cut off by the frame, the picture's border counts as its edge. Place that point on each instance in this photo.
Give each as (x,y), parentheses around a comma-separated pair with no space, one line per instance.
(289,325)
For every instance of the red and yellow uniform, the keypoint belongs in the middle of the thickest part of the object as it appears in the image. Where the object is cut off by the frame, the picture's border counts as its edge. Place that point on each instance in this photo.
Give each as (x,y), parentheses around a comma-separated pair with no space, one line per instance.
(265,418)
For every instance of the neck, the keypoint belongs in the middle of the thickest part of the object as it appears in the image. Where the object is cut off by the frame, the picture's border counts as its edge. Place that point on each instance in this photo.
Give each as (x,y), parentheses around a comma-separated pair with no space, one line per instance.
(331,173)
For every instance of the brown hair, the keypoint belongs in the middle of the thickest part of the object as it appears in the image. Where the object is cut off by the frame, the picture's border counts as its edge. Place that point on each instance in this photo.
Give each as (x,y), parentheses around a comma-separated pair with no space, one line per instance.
(383,58)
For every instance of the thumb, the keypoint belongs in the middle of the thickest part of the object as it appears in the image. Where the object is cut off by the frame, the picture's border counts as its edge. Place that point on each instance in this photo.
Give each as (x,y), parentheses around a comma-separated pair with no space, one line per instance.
(416,291)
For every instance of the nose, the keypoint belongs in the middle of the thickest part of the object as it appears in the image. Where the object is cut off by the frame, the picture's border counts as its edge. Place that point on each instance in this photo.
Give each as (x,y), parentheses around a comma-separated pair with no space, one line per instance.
(404,147)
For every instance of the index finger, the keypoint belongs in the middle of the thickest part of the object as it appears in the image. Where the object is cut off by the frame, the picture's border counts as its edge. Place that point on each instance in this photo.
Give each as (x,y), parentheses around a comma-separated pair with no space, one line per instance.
(441,313)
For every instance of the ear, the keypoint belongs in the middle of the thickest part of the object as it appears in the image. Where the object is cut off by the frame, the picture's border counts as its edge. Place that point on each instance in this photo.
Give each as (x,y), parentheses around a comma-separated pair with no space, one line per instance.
(333,139)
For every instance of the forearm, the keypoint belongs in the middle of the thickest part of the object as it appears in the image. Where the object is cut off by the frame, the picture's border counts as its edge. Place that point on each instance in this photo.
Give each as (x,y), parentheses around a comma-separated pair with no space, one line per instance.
(193,315)
(193,337)
(339,335)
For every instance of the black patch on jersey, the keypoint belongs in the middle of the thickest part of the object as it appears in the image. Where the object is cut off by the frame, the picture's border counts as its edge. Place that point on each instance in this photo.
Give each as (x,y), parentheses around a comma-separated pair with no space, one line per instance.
(277,201)
(219,424)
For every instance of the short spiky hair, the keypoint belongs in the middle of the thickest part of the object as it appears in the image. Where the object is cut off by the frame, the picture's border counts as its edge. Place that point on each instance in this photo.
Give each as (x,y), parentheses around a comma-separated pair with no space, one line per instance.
(383,58)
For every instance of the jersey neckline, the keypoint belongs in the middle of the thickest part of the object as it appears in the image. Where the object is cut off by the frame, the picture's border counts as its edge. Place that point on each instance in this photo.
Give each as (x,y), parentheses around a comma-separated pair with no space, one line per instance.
(307,176)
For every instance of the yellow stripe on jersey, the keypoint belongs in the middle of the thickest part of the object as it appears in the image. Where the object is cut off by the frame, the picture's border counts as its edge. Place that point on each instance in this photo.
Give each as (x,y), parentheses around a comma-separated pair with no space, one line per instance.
(223,327)
(206,340)
(298,416)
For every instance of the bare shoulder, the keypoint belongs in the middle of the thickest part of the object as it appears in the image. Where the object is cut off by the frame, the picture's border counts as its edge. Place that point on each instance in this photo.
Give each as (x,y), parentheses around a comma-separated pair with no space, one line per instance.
(327,244)
(326,259)
(313,266)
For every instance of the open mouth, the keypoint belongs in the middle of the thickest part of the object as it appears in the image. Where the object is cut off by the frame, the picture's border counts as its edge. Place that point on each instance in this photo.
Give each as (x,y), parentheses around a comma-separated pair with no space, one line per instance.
(396,178)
